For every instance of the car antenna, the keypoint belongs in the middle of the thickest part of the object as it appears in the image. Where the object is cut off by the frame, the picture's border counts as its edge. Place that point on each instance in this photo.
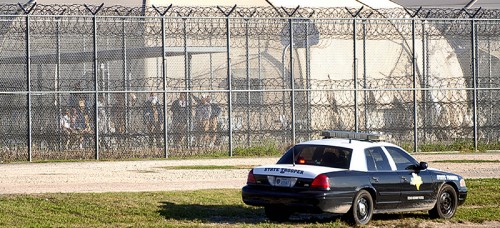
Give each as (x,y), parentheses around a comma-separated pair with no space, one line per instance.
(293,156)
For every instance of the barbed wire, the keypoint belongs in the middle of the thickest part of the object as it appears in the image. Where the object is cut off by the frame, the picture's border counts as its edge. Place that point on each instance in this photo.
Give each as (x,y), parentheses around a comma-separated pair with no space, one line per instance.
(203,22)
(383,85)
(254,12)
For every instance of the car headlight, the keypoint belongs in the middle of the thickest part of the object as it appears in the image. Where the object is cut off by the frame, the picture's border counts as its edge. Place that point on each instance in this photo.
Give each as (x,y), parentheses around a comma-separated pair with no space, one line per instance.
(462,182)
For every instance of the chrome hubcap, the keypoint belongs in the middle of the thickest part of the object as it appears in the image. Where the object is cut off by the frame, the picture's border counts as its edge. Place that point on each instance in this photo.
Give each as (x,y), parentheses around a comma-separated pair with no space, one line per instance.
(362,208)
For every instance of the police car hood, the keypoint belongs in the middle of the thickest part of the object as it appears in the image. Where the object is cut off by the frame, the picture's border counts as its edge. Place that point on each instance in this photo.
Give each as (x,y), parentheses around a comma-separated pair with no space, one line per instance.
(289,170)
(444,175)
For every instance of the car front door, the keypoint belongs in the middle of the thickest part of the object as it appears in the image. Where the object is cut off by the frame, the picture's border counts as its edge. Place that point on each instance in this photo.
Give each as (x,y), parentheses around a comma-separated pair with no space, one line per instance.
(416,184)
(385,181)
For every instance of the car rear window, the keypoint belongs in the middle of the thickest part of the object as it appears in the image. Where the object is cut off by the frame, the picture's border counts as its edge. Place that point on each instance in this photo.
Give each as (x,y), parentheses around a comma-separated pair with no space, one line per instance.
(320,155)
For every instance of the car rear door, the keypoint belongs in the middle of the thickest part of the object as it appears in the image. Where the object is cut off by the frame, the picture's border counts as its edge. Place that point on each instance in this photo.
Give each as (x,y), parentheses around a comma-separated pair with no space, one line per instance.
(385,181)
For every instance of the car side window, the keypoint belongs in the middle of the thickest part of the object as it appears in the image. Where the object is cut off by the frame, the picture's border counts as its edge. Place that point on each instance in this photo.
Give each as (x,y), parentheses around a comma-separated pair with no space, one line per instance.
(370,163)
(378,157)
(402,159)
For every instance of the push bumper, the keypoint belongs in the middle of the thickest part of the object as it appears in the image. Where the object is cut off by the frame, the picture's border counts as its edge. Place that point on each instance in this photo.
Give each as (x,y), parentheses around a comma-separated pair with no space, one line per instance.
(462,195)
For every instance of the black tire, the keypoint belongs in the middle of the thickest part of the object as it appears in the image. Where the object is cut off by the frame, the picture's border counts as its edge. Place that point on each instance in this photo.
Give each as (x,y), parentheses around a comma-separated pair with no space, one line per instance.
(277,213)
(446,204)
(361,211)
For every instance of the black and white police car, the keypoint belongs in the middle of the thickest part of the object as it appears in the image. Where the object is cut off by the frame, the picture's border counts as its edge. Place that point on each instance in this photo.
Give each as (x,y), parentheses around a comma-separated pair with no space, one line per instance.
(355,174)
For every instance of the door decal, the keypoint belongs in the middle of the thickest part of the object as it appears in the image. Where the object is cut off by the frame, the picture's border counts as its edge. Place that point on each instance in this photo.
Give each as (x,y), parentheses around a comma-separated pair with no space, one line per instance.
(416,180)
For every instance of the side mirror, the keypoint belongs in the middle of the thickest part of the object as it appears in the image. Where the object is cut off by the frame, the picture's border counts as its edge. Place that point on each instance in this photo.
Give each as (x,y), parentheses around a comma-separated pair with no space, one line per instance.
(423,166)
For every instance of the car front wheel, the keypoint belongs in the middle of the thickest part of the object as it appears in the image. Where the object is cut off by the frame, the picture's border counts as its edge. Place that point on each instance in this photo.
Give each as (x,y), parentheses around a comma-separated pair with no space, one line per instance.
(362,208)
(277,213)
(446,204)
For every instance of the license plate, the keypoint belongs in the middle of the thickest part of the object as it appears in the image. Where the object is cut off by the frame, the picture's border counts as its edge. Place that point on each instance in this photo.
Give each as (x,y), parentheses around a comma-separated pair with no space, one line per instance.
(283,182)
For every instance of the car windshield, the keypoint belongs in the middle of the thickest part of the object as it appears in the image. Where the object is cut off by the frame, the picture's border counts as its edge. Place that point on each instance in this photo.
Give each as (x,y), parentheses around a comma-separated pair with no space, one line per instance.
(320,155)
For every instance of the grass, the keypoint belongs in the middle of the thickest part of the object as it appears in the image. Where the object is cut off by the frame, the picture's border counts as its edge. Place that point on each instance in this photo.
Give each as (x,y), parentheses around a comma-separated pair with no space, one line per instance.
(483,201)
(459,145)
(259,149)
(204,208)
(466,161)
(209,167)
(265,149)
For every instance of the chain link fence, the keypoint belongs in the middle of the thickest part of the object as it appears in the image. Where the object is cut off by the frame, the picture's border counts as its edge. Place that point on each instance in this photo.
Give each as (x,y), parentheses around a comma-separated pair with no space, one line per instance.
(94,82)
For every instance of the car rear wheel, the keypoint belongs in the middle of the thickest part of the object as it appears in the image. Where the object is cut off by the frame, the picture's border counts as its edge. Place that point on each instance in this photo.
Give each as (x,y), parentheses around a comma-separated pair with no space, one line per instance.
(446,204)
(277,213)
(362,208)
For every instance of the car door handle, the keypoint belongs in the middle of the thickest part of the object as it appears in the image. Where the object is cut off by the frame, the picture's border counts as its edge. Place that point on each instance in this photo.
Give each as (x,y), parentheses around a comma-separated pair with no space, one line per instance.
(404,179)
(375,179)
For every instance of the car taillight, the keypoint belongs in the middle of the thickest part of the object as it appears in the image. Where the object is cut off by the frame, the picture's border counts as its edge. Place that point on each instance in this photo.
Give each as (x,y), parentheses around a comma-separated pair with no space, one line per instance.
(251,178)
(321,181)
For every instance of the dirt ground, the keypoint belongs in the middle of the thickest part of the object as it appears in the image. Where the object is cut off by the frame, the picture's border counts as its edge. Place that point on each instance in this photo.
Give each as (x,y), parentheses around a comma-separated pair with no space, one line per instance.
(134,176)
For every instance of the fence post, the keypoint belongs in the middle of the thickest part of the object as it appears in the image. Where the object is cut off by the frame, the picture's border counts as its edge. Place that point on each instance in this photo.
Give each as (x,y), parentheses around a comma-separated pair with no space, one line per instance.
(187,77)
(164,77)
(126,80)
(474,79)
(355,66)
(425,118)
(96,88)
(28,79)
(57,77)
(414,76)
(247,67)
(125,73)
(247,63)
(229,84)
(292,81)
(365,98)
(308,83)
(28,84)
(474,72)
(292,78)
(229,77)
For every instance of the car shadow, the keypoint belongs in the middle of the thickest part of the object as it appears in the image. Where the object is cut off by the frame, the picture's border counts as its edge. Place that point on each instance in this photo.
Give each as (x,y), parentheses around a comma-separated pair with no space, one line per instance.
(397,216)
(224,214)
(232,214)
(235,214)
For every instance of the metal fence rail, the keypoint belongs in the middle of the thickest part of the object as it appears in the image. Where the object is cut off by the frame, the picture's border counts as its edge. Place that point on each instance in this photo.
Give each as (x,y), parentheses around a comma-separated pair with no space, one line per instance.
(95,82)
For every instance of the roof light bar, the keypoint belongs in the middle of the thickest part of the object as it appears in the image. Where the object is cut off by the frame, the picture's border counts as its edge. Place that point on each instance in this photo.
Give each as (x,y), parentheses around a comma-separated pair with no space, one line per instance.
(352,135)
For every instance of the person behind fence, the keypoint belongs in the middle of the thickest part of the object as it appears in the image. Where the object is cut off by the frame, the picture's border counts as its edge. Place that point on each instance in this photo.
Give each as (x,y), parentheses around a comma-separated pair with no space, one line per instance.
(78,125)
(104,123)
(180,112)
(76,98)
(202,119)
(66,130)
(81,124)
(214,123)
(153,117)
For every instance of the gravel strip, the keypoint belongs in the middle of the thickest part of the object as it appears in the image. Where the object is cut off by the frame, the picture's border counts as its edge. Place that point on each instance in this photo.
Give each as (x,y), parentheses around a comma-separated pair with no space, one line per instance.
(135,176)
